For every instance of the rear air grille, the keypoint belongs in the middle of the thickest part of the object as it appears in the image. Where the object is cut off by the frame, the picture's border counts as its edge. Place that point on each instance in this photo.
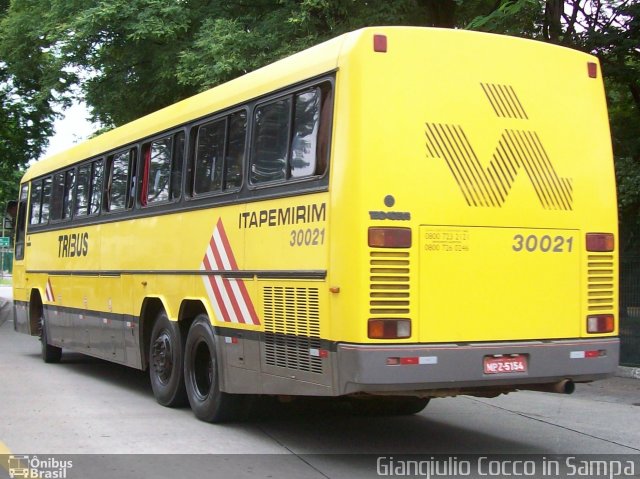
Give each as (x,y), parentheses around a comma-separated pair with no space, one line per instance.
(389,283)
(292,327)
(600,283)
(504,100)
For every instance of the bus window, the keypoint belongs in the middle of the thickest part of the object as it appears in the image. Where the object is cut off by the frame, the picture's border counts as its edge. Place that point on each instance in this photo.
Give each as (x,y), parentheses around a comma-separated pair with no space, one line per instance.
(57,193)
(36,197)
(176,166)
(82,190)
(305,133)
(157,171)
(46,199)
(97,173)
(291,138)
(236,143)
(271,141)
(70,180)
(209,157)
(118,181)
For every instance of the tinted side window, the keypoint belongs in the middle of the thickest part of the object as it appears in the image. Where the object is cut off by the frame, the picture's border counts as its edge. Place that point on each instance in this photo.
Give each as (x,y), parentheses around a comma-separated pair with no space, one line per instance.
(236,147)
(46,200)
(118,181)
(97,174)
(36,197)
(271,141)
(305,133)
(82,190)
(292,135)
(176,167)
(70,181)
(158,171)
(57,194)
(209,157)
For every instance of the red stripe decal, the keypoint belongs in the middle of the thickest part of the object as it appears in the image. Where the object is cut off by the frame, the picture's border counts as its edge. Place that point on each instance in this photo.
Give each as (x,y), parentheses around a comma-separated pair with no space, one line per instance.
(227,246)
(234,301)
(216,292)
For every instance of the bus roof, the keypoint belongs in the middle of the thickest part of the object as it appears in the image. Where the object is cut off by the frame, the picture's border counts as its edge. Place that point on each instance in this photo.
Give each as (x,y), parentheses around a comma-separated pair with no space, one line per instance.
(300,66)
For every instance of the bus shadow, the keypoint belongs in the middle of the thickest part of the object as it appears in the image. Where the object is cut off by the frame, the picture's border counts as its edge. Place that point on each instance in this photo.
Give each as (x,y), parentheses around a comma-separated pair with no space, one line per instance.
(313,425)
(331,426)
(133,380)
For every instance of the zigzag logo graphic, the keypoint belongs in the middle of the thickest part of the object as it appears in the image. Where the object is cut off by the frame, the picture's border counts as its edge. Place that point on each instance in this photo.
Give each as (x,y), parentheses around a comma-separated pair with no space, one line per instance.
(516,150)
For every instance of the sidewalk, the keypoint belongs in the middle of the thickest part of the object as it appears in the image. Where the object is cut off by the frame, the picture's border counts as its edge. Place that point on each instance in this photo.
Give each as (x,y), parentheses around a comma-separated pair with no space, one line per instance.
(628,372)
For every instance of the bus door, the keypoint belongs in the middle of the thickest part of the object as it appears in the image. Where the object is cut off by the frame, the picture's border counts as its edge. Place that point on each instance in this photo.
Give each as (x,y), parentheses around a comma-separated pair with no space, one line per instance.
(21,242)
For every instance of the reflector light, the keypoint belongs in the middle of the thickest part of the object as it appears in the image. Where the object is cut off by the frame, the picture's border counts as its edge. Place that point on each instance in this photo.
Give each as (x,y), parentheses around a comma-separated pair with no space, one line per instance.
(389,237)
(380,43)
(595,353)
(389,328)
(600,242)
(592,69)
(600,323)
(409,360)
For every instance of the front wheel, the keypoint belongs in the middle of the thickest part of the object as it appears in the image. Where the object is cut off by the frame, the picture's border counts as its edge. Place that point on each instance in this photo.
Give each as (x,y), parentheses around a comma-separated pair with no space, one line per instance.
(202,376)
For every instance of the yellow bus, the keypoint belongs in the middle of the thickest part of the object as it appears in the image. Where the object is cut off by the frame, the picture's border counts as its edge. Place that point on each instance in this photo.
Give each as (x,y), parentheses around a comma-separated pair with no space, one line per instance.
(394,215)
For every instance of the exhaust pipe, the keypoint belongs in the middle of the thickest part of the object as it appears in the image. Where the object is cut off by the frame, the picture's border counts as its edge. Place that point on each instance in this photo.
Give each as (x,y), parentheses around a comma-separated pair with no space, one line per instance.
(566,386)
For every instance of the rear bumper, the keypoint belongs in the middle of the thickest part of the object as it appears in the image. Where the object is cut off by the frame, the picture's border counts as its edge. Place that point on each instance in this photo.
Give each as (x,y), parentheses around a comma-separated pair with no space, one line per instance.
(363,368)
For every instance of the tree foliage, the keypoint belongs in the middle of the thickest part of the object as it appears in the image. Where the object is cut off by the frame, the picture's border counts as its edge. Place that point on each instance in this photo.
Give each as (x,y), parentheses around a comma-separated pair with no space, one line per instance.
(131,57)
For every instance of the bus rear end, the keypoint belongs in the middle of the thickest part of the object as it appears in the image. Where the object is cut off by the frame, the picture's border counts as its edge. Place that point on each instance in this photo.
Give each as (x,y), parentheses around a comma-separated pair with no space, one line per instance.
(480,216)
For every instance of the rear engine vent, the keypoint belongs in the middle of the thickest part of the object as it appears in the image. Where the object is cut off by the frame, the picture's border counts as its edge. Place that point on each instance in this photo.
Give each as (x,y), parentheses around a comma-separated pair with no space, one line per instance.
(389,283)
(600,268)
(292,327)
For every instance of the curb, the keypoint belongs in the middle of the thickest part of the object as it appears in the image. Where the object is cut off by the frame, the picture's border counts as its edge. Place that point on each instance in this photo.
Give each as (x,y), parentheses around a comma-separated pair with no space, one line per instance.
(628,372)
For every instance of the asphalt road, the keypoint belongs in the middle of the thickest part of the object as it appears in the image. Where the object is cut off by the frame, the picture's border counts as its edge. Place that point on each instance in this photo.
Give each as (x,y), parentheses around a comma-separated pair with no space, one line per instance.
(87,406)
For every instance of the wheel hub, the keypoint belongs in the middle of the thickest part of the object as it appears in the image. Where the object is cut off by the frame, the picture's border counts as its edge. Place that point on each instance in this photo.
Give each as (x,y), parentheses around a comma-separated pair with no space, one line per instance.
(162,356)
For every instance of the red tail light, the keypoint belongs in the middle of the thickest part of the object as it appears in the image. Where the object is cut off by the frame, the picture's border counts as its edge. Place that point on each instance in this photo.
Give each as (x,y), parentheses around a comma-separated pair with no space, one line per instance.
(592,69)
(389,328)
(600,242)
(390,237)
(600,323)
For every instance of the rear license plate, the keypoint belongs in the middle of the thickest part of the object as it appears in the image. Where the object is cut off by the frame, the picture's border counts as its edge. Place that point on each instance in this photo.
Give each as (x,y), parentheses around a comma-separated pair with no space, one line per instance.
(516,363)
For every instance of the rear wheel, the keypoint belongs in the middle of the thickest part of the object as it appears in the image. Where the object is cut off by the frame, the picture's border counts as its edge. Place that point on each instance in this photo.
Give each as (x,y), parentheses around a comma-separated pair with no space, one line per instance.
(50,353)
(165,362)
(202,376)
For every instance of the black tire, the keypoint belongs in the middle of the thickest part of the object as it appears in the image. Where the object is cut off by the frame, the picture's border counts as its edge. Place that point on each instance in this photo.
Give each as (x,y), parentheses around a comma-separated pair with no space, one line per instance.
(50,353)
(389,406)
(166,351)
(202,376)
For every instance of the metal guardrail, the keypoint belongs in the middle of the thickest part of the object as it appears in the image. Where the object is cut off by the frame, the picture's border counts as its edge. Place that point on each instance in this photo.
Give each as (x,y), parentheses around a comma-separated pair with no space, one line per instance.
(630,310)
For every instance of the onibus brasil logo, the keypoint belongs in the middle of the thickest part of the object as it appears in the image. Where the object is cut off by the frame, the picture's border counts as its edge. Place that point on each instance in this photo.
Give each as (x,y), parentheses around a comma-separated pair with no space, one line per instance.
(33,467)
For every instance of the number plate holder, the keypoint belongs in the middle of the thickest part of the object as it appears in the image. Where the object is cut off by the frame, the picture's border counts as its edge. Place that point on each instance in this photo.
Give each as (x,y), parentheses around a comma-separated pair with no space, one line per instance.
(506,364)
